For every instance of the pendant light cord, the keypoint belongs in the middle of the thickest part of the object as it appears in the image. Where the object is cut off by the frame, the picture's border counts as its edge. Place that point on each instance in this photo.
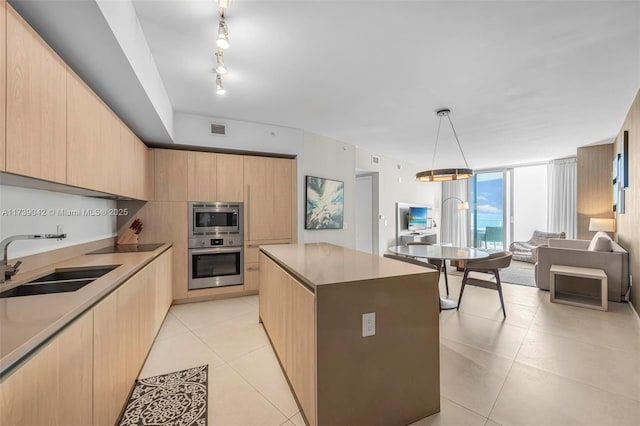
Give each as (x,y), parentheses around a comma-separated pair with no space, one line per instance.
(435,149)
(456,135)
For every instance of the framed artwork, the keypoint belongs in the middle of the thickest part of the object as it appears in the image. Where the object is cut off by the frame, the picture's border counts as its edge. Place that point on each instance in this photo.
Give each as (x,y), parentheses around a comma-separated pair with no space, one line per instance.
(325,203)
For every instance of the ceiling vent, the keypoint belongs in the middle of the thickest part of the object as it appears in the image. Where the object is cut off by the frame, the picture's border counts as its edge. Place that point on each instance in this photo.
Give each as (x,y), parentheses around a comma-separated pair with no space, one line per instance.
(218,129)
(375,160)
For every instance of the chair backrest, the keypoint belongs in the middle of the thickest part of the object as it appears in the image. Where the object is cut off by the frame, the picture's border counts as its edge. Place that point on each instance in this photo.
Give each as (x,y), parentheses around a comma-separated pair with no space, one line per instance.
(497,260)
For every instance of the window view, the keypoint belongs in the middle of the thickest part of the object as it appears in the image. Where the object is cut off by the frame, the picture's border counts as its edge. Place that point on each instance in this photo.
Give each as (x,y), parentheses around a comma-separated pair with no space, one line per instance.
(487,211)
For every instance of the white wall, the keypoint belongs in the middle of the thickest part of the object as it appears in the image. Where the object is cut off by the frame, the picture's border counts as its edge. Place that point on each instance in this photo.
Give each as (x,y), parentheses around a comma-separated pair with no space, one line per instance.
(79,229)
(397,183)
(529,201)
(332,159)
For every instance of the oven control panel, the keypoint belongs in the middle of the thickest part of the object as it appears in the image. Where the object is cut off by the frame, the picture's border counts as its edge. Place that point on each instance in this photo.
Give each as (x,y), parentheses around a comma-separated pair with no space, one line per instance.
(201,242)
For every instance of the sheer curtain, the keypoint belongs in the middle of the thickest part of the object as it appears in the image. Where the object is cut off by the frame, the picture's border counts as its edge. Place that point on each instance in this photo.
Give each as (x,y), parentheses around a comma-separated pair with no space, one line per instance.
(562,196)
(453,229)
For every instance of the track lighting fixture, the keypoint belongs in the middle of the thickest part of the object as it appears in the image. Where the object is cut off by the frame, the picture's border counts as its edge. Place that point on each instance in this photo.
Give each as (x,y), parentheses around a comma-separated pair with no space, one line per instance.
(223,34)
(220,90)
(221,68)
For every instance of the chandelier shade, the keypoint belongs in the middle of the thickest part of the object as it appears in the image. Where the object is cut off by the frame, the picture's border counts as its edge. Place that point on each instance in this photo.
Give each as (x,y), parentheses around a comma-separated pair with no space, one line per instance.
(442,175)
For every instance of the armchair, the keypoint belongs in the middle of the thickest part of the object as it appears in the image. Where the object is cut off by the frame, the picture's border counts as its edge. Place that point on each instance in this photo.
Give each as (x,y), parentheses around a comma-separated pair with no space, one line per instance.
(614,263)
(527,251)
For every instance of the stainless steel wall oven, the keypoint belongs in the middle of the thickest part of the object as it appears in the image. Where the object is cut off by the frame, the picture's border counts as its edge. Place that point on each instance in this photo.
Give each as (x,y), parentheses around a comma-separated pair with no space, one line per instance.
(216,254)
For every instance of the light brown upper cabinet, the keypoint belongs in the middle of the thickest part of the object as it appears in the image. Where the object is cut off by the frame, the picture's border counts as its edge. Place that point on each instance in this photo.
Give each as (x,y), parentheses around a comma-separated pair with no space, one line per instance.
(135,163)
(202,176)
(36,113)
(3,80)
(170,175)
(93,141)
(215,177)
(269,184)
(229,177)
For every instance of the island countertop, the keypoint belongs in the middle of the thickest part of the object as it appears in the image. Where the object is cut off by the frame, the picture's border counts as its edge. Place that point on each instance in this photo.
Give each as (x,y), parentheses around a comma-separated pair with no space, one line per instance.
(29,321)
(317,264)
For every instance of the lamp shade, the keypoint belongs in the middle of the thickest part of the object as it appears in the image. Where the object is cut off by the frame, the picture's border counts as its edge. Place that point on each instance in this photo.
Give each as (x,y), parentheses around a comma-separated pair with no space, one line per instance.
(602,224)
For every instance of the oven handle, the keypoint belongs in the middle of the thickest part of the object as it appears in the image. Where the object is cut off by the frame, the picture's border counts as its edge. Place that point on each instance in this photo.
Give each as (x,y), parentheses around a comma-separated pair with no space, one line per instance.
(216,250)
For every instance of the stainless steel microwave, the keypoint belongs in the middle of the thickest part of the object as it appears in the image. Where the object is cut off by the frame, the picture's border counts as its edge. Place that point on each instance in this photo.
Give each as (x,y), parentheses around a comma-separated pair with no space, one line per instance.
(215,218)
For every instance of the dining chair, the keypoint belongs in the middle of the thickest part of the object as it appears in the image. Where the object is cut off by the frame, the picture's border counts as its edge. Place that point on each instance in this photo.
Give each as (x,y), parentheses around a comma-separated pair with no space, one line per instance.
(487,266)
(440,263)
(415,261)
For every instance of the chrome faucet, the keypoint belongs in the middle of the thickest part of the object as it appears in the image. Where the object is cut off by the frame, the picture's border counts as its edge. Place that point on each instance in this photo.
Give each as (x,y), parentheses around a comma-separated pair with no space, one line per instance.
(7,271)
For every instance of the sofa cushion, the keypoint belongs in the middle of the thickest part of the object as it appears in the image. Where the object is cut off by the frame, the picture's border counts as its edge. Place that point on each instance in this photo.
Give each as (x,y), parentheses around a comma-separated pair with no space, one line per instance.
(600,242)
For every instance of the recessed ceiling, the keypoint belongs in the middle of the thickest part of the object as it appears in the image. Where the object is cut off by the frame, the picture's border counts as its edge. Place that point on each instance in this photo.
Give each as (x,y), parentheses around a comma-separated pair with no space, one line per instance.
(526,81)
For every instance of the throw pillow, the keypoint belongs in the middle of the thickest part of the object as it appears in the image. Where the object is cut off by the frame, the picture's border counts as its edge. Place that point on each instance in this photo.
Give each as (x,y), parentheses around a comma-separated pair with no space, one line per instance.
(600,242)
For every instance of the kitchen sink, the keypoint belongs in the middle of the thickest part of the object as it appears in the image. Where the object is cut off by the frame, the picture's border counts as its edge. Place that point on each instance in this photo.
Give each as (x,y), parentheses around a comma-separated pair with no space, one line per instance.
(75,274)
(59,281)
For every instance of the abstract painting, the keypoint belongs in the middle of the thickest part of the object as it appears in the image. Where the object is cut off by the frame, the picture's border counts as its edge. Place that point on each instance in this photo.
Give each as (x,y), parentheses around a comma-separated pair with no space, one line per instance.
(325,203)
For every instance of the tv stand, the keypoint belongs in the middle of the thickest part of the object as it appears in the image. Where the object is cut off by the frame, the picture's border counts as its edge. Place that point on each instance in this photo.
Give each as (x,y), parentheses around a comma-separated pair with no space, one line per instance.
(423,237)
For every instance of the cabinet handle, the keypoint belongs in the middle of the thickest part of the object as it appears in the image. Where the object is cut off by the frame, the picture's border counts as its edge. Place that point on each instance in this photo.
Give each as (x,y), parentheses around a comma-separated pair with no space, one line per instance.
(253,245)
(248,212)
(253,269)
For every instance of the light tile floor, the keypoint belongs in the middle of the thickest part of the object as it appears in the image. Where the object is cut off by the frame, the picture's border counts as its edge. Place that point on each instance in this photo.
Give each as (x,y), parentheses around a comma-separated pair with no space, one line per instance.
(547,364)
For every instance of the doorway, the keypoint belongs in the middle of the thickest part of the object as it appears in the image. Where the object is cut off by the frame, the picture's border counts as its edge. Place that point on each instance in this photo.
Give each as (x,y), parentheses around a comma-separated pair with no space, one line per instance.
(367,212)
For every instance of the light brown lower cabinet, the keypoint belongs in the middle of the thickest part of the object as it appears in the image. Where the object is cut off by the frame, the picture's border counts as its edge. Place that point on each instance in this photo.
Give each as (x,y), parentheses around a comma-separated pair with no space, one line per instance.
(287,309)
(251,263)
(125,324)
(84,375)
(251,276)
(54,387)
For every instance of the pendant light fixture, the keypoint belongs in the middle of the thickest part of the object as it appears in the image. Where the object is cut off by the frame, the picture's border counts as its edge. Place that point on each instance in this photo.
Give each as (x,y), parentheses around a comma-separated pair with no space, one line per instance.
(440,175)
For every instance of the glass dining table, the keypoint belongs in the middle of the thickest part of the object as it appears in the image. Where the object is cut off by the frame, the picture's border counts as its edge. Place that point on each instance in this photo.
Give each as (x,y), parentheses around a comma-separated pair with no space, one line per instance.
(443,253)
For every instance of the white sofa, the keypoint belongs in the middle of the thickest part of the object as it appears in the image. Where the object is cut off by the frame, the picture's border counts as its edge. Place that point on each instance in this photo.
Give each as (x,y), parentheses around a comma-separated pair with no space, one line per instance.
(582,253)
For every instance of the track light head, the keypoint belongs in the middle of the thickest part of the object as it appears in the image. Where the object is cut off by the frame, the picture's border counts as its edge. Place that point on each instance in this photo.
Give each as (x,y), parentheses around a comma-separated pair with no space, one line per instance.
(223,35)
(221,68)
(220,90)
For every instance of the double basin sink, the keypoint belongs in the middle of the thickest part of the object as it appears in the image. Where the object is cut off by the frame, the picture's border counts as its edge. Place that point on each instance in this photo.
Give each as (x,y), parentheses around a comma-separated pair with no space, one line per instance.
(60,281)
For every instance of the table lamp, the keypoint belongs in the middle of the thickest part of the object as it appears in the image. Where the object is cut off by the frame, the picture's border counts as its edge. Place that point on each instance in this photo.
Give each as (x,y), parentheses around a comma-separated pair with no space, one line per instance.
(602,224)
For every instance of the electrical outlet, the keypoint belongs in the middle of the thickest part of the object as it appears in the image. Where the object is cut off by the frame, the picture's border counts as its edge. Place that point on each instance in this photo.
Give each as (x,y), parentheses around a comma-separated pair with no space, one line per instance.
(369,324)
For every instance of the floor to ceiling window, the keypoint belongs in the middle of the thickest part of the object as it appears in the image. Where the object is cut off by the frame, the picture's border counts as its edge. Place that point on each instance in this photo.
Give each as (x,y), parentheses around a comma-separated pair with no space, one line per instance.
(507,205)
(488,209)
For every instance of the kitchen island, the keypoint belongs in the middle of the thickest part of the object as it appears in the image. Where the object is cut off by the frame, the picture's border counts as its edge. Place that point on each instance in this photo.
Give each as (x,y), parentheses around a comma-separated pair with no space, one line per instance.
(313,301)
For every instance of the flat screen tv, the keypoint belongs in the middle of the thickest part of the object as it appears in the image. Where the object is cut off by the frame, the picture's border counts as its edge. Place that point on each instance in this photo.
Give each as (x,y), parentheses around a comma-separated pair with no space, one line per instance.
(417,218)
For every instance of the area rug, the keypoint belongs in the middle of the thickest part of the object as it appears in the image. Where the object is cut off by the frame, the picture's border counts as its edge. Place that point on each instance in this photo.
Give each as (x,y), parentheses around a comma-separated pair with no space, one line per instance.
(174,399)
(516,275)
